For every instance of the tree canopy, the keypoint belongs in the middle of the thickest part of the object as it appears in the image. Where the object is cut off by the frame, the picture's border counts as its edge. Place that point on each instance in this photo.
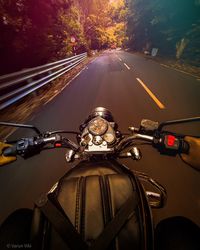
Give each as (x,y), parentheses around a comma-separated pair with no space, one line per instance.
(172,26)
(33,32)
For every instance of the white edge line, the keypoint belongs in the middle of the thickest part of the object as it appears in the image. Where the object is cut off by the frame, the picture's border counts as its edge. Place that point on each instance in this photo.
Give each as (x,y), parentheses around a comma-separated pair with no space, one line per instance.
(165,66)
(50,99)
(14,129)
(64,86)
(11,132)
(179,70)
(93,60)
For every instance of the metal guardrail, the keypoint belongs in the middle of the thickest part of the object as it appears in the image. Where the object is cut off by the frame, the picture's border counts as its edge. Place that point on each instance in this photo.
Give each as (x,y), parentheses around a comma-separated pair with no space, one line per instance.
(17,85)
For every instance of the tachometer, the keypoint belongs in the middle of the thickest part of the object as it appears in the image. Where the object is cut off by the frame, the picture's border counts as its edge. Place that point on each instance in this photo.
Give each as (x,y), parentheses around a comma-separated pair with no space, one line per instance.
(109,138)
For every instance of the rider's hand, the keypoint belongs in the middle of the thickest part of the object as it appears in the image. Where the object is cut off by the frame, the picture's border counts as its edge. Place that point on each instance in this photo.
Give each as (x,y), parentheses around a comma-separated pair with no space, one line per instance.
(193,157)
(5,159)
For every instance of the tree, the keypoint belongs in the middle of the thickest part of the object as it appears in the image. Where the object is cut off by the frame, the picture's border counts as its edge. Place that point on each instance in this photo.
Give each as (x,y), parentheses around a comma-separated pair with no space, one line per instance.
(34,32)
(172,26)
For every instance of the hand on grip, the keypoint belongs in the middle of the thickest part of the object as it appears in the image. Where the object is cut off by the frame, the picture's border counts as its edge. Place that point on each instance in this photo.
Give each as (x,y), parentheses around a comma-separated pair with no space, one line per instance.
(5,159)
(193,156)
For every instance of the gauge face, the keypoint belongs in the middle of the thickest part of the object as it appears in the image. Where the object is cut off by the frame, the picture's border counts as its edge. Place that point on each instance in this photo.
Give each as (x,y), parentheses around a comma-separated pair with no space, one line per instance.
(109,138)
(98,126)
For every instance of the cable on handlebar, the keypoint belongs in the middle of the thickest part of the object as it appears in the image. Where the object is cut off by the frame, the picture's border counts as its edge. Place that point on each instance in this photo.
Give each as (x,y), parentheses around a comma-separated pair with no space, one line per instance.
(163,124)
(21,126)
(62,131)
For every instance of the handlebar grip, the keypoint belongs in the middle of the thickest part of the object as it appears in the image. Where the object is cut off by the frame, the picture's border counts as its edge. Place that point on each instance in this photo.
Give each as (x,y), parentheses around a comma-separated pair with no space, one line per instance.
(185,147)
(11,151)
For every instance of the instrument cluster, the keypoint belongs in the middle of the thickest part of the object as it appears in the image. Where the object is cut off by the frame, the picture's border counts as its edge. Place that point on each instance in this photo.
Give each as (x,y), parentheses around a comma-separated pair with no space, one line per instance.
(98,135)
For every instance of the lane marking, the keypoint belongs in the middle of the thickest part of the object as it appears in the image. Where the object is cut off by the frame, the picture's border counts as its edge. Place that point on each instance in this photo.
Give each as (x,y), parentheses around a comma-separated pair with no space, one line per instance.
(15,129)
(50,99)
(159,104)
(127,66)
(118,57)
(165,65)
(64,86)
(93,60)
(179,70)
(11,132)
(57,92)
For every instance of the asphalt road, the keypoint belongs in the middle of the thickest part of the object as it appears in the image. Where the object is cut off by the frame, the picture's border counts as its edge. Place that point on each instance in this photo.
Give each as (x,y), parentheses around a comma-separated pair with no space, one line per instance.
(133,88)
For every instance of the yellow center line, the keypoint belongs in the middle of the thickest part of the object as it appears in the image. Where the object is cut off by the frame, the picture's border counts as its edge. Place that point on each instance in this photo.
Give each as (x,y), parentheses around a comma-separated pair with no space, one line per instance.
(127,66)
(160,105)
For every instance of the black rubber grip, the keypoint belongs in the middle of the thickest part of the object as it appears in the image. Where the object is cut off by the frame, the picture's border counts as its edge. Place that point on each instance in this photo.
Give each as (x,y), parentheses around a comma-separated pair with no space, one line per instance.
(11,151)
(185,147)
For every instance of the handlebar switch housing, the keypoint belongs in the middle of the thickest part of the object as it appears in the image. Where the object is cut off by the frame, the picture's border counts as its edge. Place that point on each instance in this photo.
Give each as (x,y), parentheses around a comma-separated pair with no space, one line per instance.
(168,144)
(28,147)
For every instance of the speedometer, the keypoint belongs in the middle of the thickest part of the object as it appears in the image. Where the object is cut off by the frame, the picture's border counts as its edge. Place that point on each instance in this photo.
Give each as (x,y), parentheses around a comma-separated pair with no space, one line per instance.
(98,126)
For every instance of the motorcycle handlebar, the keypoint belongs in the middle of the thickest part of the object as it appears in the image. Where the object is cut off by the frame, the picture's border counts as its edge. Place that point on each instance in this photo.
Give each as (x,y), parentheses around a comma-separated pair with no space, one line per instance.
(28,147)
(165,144)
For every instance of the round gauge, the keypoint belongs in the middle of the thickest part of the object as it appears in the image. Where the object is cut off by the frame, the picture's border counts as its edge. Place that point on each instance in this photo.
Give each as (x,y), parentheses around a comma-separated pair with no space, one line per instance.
(98,126)
(109,138)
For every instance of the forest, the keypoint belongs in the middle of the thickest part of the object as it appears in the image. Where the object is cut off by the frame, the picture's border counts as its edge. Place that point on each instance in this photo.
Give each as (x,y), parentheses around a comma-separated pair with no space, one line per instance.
(171,26)
(34,32)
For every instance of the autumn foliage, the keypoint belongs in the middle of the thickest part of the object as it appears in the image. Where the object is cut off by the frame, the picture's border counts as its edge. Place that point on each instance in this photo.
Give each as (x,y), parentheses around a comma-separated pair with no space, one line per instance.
(34,32)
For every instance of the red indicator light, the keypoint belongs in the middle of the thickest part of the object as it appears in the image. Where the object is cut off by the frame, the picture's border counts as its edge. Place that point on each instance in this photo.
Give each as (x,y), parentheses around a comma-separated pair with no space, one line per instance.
(171,140)
(58,145)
